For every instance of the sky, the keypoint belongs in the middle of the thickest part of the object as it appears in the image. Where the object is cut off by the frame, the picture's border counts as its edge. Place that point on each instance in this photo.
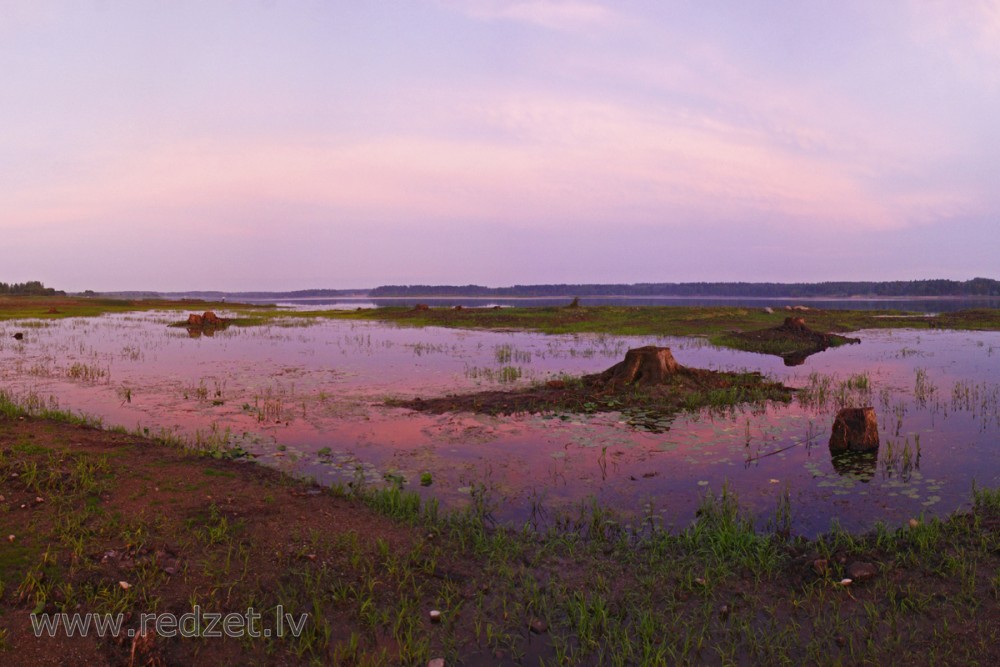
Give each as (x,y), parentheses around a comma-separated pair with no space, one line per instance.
(293,144)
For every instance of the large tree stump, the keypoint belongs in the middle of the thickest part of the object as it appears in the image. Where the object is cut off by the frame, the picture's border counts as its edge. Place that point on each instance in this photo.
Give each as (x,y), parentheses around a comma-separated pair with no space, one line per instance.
(642,366)
(855,429)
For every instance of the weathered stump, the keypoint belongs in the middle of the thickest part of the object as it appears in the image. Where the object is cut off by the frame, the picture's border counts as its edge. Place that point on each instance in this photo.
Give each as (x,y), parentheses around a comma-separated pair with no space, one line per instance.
(796,324)
(642,366)
(855,429)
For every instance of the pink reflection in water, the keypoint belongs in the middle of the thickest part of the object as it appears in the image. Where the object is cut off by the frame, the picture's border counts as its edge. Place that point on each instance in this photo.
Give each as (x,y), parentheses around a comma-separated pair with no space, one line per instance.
(308,399)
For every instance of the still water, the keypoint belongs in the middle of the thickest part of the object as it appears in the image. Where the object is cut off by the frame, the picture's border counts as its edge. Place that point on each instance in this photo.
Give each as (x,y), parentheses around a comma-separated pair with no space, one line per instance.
(308,397)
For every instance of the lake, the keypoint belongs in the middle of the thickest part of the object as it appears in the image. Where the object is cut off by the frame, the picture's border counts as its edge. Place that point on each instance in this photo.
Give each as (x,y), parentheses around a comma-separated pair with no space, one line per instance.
(913,304)
(307,396)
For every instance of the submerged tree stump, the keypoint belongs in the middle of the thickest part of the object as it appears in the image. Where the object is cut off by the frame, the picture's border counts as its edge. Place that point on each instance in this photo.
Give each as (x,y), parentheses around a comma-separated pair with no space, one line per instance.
(642,366)
(855,430)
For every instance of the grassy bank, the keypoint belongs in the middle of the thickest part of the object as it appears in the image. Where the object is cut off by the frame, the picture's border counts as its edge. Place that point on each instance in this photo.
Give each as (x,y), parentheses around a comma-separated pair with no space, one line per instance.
(664,320)
(109,522)
(57,307)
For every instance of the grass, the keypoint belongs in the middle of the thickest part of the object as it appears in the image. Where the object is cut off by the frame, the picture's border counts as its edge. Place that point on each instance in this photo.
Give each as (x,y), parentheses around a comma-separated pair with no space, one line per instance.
(367,565)
(58,307)
(656,320)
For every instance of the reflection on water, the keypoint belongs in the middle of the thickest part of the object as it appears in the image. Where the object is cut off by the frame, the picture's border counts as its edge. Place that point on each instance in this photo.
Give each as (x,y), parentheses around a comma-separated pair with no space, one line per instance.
(308,398)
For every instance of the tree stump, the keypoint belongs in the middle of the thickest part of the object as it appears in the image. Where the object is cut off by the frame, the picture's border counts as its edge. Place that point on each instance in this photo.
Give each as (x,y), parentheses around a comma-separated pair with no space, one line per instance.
(642,366)
(855,430)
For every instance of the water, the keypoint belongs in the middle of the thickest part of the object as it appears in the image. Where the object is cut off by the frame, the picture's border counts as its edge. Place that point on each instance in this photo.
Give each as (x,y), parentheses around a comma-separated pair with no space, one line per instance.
(927,305)
(308,397)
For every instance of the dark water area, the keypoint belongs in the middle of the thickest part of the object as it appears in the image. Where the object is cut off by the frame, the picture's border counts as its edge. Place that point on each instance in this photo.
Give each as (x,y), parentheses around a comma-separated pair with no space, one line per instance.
(926,305)
(308,397)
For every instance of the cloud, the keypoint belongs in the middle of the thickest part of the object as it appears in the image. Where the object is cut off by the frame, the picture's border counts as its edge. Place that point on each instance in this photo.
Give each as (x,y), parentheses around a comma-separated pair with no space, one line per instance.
(553,14)
(966,33)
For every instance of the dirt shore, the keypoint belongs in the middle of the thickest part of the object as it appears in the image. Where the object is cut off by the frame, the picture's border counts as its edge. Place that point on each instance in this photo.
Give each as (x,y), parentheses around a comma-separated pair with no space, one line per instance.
(105,522)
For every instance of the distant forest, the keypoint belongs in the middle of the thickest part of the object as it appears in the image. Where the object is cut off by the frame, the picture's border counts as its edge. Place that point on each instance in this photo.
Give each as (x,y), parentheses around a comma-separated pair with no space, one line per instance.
(897,288)
(30,288)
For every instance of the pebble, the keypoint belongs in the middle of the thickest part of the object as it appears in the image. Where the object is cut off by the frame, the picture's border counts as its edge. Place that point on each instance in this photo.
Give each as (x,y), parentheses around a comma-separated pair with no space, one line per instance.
(11,538)
(538,626)
(435,662)
(435,616)
(861,571)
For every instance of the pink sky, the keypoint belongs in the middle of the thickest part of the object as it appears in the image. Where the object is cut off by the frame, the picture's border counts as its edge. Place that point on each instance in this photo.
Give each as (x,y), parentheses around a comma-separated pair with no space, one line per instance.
(288,145)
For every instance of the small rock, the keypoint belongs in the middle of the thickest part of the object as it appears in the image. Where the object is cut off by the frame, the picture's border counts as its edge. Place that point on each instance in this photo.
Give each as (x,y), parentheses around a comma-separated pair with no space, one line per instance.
(435,662)
(861,571)
(846,582)
(11,538)
(435,616)
(913,522)
(125,585)
(700,581)
(538,626)
(39,499)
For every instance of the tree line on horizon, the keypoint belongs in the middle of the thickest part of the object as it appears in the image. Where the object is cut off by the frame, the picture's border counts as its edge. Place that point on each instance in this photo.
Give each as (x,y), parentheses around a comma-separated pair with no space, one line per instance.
(895,288)
(30,288)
